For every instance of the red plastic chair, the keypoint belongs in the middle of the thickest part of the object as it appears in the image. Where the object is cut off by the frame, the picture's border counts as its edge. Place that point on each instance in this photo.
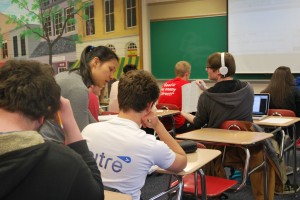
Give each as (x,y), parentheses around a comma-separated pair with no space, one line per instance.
(281,112)
(214,186)
(168,121)
(285,113)
(239,126)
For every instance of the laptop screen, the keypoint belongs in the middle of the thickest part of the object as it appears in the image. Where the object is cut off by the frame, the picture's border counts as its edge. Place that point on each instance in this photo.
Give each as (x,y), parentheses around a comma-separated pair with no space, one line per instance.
(261,104)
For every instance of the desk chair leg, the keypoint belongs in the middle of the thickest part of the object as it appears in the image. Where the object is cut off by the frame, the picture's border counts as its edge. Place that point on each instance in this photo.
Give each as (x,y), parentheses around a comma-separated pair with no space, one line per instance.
(173,127)
(178,187)
(265,174)
(246,168)
(203,184)
(295,161)
(282,144)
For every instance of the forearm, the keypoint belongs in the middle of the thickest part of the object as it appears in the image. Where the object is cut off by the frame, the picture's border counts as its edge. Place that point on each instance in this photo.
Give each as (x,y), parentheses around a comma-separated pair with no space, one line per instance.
(188,116)
(165,136)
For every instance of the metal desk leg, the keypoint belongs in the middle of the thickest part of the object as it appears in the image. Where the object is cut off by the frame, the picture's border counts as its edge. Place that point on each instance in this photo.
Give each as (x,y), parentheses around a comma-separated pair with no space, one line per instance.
(265,174)
(180,187)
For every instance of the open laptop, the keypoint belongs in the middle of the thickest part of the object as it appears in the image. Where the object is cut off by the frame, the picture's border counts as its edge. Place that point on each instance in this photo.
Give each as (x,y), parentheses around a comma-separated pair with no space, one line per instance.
(260,106)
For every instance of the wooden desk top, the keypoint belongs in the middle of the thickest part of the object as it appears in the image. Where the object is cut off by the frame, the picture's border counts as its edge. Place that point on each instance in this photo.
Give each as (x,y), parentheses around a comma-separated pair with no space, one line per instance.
(195,161)
(159,113)
(225,136)
(108,195)
(277,121)
(163,113)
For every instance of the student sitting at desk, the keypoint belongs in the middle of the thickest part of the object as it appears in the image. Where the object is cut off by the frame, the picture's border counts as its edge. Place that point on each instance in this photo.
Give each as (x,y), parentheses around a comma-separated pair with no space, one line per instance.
(30,167)
(123,151)
(94,93)
(113,105)
(284,93)
(229,99)
(171,93)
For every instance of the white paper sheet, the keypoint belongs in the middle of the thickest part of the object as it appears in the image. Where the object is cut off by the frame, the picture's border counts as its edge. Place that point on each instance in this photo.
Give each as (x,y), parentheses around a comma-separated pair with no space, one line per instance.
(277,120)
(190,96)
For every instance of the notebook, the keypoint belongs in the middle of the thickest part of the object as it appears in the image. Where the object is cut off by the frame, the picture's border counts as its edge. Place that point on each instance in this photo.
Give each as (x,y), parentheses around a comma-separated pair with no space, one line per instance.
(260,106)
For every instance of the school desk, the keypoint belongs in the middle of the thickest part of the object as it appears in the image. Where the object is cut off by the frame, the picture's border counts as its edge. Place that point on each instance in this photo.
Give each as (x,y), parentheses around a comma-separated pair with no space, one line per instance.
(195,161)
(281,123)
(241,139)
(163,113)
(116,195)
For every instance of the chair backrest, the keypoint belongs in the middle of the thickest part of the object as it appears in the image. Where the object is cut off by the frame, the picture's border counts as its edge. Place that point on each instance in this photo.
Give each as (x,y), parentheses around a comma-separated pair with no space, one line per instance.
(237,125)
(166,106)
(281,112)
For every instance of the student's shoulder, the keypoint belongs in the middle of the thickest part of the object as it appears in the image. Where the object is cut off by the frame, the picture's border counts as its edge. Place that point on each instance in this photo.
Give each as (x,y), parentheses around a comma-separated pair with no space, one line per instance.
(62,156)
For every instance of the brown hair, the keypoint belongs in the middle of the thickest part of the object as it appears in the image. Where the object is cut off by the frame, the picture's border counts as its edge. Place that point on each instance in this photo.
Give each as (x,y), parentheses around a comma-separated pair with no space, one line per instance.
(280,86)
(214,62)
(137,88)
(26,88)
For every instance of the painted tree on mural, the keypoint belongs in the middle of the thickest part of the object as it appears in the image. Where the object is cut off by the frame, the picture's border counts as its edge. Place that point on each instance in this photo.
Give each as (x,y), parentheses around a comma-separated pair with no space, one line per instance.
(43,12)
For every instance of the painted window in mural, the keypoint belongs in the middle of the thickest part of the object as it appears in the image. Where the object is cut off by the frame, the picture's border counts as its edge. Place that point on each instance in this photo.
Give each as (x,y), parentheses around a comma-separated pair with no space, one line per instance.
(15,44)
(112,47)
(48,26)
(131,13)
(131,49)
(23,46)
(70,15)
(109,15)
(4,50)
(90,23)
(58,23)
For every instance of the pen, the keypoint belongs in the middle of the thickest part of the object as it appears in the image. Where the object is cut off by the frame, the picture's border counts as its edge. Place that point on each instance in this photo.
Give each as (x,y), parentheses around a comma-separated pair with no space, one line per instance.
(59,120)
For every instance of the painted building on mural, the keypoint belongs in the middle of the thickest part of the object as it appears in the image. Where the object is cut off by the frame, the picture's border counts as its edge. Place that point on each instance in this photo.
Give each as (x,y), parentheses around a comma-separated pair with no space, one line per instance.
(6,50)
(112,23)
(115,24)
(64,51)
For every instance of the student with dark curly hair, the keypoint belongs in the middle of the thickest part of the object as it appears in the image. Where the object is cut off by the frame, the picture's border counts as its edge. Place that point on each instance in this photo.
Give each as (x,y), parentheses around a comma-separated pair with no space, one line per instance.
(30,167)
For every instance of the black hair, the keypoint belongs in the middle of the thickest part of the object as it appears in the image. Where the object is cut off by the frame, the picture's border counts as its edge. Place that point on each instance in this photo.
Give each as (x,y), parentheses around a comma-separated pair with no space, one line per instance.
(102,52)
(129,67)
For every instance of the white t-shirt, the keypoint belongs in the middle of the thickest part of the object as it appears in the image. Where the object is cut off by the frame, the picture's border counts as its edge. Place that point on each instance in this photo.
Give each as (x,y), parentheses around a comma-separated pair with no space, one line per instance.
(124,153)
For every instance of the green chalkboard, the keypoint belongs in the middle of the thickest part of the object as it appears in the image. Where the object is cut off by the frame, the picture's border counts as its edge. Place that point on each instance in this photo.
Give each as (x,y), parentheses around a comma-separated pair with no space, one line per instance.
(192,40)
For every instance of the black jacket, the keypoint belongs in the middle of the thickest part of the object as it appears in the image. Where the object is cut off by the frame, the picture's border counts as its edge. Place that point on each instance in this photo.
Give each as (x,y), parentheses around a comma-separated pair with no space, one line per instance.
(49,171)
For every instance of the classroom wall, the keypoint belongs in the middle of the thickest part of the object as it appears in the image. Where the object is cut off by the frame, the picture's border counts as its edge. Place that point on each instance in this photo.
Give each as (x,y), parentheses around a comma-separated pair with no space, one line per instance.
(167,10)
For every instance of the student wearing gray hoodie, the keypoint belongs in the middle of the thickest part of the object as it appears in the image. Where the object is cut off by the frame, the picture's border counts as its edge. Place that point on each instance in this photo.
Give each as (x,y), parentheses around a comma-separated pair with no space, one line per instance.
(229,99)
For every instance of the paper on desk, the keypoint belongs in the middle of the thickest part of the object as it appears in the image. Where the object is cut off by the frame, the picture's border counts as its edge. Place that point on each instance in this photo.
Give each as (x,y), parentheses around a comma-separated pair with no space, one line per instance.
(277,120)
(190,96)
